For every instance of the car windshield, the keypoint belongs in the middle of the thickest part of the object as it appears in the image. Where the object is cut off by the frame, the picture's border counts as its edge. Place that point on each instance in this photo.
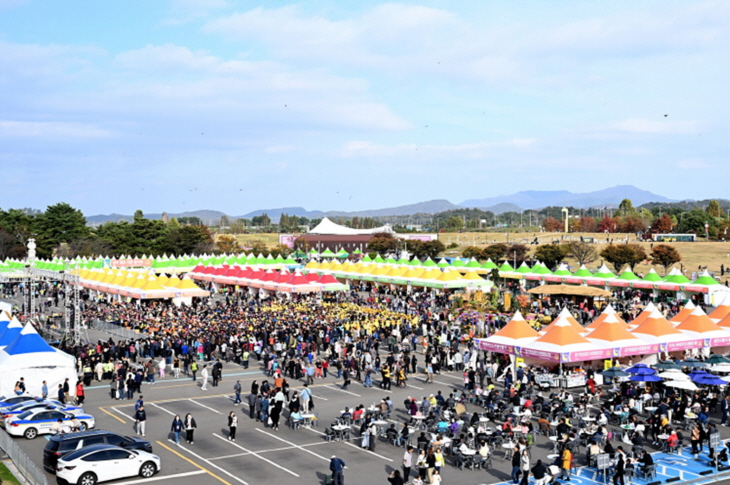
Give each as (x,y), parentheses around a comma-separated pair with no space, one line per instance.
(25,414)
(5,398)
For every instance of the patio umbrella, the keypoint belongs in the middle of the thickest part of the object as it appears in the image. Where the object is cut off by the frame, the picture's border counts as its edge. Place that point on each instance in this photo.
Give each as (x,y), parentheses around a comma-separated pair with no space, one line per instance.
(645,378)
(686,385)
(667,364)
(614,372)
(641,369)
(721,367)
(709,380)
(697,373)
(692,363)
(674,375)
(718,359)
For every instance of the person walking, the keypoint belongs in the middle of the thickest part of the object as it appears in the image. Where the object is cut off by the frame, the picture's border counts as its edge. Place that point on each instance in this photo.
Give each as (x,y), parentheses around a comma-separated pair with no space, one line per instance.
(193,368)
(62,395)
(232,425)
(204,376)
(618,477)
(176,367)
(525,467)
(177,428)
(237,391)
(190,426)
(337,467)
(80,393)
(407,463)
(566,460)
(515,465)
(345,378)
(725,406)
(44,390)
(140,417)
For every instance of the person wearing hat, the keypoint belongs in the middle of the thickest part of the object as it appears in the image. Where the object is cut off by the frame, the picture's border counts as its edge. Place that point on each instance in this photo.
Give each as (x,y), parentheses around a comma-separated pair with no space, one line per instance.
(337,467)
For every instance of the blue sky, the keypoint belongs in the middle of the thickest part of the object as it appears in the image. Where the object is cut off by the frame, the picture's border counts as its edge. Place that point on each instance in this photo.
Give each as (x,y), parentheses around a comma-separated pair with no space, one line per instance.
(331,105)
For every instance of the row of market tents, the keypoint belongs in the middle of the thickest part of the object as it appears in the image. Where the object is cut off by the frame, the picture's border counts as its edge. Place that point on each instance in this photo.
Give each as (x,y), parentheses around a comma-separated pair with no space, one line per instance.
(608,336)
(138,284)
(24,353)
(275,281)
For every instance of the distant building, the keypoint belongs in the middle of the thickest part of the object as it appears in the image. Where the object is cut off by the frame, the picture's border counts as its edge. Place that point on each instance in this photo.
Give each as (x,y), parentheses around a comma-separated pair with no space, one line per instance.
(332,236)
(165,218)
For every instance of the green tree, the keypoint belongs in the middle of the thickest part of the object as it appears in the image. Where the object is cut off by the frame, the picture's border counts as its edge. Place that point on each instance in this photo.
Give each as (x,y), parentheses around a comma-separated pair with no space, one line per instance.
(714,209)
(228,244)
(60,223)
(383,242)
(472,252)
(665,256)
(626,208)
(495,252)
(694,222)
(551,254)
(621,255)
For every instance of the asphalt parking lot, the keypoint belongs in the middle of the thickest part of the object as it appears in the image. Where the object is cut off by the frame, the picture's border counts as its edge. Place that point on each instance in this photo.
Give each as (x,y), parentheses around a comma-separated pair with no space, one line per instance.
(262,455)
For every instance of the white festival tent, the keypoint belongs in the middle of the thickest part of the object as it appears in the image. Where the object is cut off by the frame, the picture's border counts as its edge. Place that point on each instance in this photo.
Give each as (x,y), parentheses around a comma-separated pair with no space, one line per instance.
(327,227)
(30,357)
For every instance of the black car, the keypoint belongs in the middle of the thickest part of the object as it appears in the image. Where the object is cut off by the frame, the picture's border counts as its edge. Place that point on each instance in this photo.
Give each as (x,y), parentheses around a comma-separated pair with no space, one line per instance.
(60,444)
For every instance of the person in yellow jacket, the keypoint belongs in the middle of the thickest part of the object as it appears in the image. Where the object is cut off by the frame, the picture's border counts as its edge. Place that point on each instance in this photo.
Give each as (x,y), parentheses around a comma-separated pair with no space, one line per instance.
(566,460)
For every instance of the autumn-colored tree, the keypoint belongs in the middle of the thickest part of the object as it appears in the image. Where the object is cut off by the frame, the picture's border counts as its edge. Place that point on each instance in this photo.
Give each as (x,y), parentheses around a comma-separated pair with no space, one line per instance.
(383,242)
(633,225)
(605,225)
(587,224)
(228,244)
(582,251)
(665,256)
(301,244)
(662,225)
(551,224)
(620,255)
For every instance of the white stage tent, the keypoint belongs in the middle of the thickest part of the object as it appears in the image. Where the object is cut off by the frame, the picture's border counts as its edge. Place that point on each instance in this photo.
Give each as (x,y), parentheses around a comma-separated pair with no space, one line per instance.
(30,357)
(327,227)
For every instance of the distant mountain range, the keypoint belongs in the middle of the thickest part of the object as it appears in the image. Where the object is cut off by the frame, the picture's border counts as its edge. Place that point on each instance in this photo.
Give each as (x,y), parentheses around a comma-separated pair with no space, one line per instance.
(518,202)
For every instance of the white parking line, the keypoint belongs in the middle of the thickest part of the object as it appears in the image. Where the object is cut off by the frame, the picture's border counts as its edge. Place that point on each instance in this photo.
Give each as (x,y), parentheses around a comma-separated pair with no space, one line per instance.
(204,406)
(160,407)
(354,446)
(179,475)
(414,387)
(123,414)
(210,463)
(294,445)
(342,390)
(256,455)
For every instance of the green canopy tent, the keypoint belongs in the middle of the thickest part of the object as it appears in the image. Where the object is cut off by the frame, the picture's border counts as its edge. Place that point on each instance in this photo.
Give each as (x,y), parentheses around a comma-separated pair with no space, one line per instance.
(582,272)
(652,277)
(562,271)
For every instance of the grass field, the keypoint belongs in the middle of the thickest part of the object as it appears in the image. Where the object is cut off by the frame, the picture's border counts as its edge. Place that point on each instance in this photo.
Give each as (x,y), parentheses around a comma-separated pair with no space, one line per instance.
(6,477)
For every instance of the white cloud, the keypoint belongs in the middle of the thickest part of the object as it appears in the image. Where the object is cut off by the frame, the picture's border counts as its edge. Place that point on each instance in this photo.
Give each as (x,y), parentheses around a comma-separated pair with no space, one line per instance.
(466,150)
(661,127)
(51,129)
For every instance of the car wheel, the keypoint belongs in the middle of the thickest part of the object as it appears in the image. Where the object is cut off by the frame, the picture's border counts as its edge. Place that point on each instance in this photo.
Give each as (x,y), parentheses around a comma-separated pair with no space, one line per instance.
(147,469)
(30,433)
(87,478)
(82,426)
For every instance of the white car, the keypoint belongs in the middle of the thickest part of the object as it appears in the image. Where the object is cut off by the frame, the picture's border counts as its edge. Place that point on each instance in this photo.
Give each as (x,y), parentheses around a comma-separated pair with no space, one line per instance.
(101,463)
(38,421)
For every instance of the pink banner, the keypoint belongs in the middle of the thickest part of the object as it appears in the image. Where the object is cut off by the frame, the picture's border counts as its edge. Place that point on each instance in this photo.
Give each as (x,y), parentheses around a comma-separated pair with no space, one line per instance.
(668,287)
(554,279)
(537,354)
(595,282)
(637,350)
(131,263)
(717,342)
(573,280)
(598,354)
(492,347)
(687,344)
(696,288)
(647,285)
(623,284)
(533,277)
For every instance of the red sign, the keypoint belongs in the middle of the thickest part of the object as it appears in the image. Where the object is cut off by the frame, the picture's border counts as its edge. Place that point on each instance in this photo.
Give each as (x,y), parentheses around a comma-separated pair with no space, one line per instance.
(131,263)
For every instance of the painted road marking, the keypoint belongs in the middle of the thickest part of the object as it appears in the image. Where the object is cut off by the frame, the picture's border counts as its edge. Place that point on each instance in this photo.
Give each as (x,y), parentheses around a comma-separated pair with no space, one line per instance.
(294,445)
(113,416)
(123,414)
(353,445)
(204,406)
(199,466)
(342,390)
(179,475)
(160,407)
(255,454)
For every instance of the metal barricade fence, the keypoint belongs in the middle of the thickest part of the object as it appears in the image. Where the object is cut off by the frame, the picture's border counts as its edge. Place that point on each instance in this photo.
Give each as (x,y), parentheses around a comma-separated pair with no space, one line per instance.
(114,328)
(29,470)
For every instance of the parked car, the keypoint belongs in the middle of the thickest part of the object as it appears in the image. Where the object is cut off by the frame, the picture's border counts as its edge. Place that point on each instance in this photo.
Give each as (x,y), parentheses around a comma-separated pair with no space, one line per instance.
(61,444)
(25,406)
(33,422)
(7,401)
(101,463)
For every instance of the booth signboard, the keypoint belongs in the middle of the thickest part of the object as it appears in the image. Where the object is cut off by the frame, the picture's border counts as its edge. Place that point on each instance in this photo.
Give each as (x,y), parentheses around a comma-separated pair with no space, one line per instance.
(714,440)
(603,461)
